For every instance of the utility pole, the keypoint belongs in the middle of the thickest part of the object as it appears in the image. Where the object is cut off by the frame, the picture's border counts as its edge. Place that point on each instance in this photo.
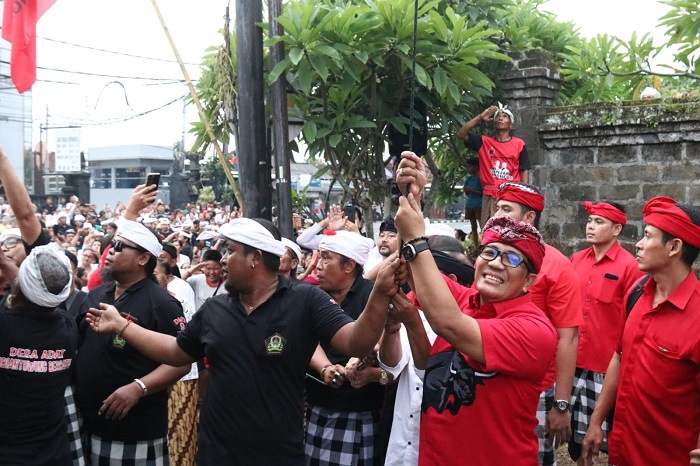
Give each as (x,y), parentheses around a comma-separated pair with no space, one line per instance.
(253,159)
(278,96)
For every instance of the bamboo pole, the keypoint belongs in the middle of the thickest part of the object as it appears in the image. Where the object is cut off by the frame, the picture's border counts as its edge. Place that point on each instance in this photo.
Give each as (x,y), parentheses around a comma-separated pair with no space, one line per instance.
(200,109)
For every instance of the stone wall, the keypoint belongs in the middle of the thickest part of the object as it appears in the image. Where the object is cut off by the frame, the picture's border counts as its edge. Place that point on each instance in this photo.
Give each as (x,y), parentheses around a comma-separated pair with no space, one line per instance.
(625,152)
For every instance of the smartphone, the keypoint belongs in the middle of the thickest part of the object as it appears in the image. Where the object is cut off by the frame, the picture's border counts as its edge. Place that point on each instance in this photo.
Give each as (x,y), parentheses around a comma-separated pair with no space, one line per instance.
(349,211)
(153,179)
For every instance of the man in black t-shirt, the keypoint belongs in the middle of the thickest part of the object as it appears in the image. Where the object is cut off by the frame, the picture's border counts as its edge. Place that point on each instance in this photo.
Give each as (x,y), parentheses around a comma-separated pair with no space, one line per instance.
(121,393)
(258,340)
(352,392)
(37,346)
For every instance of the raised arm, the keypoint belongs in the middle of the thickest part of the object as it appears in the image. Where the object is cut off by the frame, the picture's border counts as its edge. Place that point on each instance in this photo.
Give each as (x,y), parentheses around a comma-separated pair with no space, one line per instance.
(485,116)
(18,198)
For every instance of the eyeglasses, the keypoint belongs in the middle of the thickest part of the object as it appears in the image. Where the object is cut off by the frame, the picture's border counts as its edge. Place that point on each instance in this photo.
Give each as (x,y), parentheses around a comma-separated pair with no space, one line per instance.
(508,258)
(9,243)
(119,246)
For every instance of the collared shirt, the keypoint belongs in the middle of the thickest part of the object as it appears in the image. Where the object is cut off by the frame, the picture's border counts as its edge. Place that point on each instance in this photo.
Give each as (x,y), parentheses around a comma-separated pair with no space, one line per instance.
(657,413)
(485,414)
(254,409)
(405,428)
(106,362)
(556,292)
(603,285)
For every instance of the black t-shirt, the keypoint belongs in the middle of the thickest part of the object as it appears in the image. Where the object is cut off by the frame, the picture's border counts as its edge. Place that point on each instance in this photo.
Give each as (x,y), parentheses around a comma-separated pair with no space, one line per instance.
(253,409)
(106,362)
(346,398)
(36,351)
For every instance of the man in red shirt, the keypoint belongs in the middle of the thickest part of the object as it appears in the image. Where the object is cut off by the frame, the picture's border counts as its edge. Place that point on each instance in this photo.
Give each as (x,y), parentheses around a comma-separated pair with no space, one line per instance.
(653,376)
(556,292)
(502,158)
(606,271)
(485,369)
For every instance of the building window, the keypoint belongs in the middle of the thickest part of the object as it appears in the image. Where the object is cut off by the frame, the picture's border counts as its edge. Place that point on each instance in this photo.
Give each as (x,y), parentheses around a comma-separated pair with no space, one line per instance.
(101,178)
(129,178)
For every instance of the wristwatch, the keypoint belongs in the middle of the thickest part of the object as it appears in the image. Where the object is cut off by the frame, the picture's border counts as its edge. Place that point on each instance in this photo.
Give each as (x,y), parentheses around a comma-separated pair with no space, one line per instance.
(410,251)
(383,378)
(561,405)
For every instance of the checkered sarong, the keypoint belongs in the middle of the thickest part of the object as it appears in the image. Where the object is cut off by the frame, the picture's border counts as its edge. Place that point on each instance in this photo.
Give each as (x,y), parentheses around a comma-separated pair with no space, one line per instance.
(546,454)
(587,388)
(115,453)
(340,438)
(73,424)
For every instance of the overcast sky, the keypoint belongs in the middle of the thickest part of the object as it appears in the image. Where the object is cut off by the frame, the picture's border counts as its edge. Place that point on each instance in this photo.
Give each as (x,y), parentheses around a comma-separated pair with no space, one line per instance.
(131,27)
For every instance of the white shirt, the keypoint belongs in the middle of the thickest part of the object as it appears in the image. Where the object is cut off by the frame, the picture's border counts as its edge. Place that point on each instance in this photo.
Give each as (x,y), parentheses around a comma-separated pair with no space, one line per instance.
(405,429)
(202,289)
(183,293)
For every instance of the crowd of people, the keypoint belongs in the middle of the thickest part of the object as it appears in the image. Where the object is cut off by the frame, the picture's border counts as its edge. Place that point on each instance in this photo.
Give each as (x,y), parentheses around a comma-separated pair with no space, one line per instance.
(198,336)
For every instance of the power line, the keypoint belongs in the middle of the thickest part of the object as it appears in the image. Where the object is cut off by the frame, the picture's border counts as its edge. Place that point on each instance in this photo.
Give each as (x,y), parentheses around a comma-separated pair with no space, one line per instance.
(123,119)
(113,51)
(85,73)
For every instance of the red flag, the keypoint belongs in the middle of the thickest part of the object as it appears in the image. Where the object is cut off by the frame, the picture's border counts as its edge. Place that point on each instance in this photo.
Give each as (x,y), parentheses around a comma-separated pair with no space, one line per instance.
(19,28)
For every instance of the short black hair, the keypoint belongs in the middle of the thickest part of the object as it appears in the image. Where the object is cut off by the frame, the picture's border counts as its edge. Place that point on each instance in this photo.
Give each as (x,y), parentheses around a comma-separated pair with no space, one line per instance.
(688,253)
(211,255)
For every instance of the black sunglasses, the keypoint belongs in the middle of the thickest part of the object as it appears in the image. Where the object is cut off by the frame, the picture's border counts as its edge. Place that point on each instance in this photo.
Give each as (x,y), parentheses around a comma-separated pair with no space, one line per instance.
(119,246)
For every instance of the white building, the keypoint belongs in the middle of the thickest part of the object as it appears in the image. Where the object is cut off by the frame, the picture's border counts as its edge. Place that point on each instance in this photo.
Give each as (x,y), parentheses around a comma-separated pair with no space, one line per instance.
(116,170)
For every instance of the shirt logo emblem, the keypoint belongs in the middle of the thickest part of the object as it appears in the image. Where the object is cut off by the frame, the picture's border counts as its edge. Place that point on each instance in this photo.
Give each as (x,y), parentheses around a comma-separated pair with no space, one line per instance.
(274,345)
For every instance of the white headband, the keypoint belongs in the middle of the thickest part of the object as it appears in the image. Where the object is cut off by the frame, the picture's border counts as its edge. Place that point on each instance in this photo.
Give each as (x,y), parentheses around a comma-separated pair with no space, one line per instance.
(141,236)
(293,246)
(351,245)
(504,109)
(250,232)
(32,283)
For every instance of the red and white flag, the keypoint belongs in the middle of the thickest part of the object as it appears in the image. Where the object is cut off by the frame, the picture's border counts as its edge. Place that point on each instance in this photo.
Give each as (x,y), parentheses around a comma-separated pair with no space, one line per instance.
(19,28)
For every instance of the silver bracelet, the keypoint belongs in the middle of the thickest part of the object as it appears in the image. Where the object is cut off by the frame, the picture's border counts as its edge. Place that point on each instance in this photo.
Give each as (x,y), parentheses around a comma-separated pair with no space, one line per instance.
(142,385)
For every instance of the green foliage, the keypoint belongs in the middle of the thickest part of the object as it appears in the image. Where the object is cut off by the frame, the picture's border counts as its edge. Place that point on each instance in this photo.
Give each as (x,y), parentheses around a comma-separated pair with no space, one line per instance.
(682,25)
(350,65)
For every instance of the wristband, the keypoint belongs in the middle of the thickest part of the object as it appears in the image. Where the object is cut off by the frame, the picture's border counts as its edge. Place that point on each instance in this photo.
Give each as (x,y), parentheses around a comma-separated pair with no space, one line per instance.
(128,321)
(142,385)
(415,240)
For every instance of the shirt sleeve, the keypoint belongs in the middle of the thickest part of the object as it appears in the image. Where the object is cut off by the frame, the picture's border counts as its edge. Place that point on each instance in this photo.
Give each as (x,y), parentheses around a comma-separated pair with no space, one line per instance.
(524,161)
(169,317)
(189,339)
(564,299)
(396,370)
(474,142)
(326,315)
(309,238)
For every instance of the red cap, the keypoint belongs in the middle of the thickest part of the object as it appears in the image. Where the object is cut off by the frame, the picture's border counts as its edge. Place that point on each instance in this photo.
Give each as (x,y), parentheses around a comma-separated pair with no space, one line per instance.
(606,210)
(522,194)
(522,236)
(664,214)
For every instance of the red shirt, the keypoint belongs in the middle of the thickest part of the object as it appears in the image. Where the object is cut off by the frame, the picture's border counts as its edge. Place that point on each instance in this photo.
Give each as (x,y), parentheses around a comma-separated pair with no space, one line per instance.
(499,162)
(486,414)
(604,284)
(657,414)
(556,292)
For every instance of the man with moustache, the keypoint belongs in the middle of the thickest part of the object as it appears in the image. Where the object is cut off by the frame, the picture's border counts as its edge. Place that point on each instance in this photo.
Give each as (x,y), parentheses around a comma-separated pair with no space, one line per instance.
(122,394)
(387,244)
(652,377)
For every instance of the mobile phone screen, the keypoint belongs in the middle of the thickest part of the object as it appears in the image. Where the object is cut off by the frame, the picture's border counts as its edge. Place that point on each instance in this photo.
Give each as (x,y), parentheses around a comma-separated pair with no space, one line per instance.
(349,212)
